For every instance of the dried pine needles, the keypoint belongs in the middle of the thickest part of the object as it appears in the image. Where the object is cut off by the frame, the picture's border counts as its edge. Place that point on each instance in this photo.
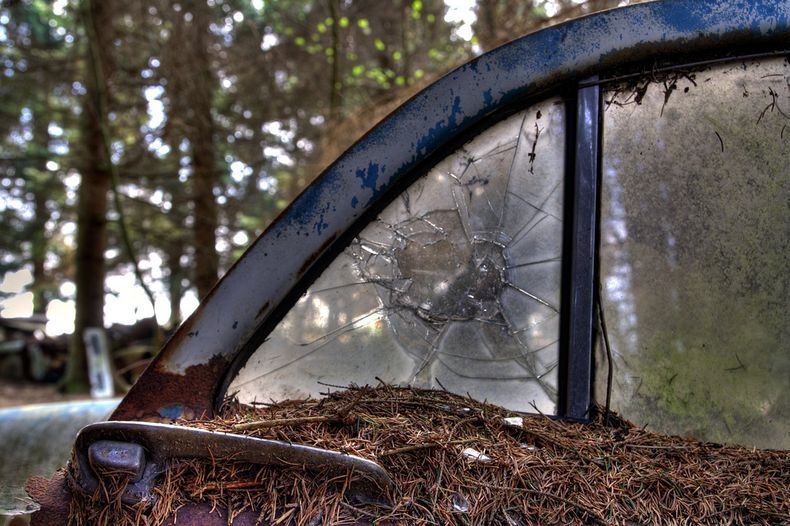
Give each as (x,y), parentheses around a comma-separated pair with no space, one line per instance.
(458,461)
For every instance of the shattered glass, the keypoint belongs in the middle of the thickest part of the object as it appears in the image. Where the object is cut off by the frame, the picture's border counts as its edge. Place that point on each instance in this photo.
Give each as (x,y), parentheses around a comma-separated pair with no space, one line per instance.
(455,285)
(694,252)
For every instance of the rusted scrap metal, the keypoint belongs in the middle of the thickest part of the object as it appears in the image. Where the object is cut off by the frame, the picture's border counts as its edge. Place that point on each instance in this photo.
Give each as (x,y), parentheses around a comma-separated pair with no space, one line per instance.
(161,395)
(141,451)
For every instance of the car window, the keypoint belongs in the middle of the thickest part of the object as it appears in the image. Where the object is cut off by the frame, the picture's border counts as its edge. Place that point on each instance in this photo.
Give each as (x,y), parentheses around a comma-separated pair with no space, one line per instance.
(455,285)
(694,251)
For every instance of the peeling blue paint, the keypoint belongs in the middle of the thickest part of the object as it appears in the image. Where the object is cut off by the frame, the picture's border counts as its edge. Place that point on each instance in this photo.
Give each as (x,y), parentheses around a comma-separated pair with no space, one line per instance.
(686,19)
(171,411)
(321,225)
(443,129)
(369,176)
(487,97)
(354,202)
(455,112)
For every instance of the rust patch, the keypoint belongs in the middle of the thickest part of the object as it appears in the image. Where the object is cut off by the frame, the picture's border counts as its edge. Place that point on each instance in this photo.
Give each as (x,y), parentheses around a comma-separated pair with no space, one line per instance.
(158,394)
(315,255)
(53,495)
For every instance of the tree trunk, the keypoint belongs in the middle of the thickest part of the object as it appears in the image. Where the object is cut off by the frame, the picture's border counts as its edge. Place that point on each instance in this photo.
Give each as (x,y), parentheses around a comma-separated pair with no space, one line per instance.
(201,137)
(174,285)
(41,183)
(93,194)
(41,186)
(39,251)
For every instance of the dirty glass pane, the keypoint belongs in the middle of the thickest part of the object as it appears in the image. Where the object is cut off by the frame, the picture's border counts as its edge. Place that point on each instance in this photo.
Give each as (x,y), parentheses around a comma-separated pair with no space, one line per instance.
(694,252)
(455,285)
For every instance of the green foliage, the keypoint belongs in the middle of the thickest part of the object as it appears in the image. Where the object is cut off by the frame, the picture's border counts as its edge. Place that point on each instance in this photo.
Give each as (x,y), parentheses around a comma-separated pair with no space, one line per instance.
(273,108)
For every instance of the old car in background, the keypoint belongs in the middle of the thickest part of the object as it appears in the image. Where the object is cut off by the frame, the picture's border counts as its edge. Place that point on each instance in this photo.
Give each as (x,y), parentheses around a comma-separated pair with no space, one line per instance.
(593,214)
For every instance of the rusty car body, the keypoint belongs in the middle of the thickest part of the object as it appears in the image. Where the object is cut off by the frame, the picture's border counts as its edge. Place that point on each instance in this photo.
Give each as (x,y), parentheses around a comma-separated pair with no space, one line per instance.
(580,67)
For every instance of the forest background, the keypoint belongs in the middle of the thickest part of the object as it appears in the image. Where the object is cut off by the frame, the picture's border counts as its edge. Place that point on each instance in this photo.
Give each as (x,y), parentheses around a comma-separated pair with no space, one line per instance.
(145,144)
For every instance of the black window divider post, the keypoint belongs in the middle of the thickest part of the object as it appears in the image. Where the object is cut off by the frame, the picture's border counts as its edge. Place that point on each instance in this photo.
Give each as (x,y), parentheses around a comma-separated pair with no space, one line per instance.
(576,394)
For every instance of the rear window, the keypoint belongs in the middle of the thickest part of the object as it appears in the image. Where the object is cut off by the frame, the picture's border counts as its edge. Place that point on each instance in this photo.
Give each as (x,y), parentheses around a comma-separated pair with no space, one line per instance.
(694,252)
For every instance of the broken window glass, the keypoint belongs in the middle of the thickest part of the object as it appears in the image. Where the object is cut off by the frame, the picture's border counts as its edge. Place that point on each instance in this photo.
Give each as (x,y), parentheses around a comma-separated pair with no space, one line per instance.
(455,285)
(694,252)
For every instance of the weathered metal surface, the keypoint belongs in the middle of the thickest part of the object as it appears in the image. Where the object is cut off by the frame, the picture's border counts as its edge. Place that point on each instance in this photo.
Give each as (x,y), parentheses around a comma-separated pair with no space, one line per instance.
(580,289)
(159,394)
(163,441)
(52,496)
(36,440)
(111,456)
(226,327)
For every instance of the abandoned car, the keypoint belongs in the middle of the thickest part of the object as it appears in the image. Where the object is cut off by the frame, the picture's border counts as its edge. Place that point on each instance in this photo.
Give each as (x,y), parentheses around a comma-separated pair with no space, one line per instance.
(590,218)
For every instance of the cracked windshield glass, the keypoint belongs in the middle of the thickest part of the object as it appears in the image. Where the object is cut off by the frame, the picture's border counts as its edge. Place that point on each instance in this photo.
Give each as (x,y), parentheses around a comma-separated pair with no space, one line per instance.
(455,285)
(694,252)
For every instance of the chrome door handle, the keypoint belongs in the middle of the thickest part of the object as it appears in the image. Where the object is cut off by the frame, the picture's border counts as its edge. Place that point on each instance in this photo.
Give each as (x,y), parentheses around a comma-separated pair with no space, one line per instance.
(142,449)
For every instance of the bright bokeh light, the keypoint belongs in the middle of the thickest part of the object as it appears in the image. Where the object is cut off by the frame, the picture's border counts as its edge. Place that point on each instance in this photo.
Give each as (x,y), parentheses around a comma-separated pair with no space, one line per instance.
(59,7)
(189,303)
(240,238)
(68,289)
(15,282)
(156,108)
(461,12)
(60,317)
(269,41)
(162,309)
(17,306)
(125,301)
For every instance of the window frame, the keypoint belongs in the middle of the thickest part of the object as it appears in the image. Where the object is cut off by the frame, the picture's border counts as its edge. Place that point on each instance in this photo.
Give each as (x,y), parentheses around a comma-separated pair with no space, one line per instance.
(192,371)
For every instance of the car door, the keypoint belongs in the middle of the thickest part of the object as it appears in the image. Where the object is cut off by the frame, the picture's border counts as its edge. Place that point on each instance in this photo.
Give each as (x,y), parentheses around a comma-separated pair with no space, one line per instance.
(621,175)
